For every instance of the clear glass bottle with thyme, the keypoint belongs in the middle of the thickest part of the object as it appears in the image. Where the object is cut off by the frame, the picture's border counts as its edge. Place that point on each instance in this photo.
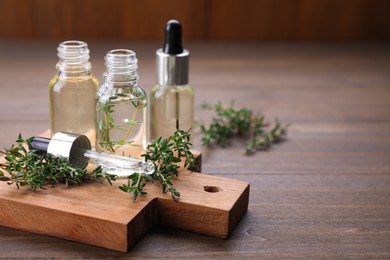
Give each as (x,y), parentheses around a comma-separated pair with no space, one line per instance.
(121,106)
(72,92)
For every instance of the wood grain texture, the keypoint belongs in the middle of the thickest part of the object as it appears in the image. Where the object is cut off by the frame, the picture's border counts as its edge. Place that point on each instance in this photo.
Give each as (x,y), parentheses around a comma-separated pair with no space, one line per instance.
(102,215)
(322,194)
(251,20)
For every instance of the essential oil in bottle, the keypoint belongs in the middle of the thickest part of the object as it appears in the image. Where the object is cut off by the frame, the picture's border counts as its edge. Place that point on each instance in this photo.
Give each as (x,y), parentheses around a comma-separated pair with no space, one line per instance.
(121,106)
(72,92)
(172,99)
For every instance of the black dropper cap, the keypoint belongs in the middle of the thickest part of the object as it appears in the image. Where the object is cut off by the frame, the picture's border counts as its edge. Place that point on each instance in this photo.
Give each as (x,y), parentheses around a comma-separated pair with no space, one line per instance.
(40,144)
(66,145)
(172,61)
(172,41)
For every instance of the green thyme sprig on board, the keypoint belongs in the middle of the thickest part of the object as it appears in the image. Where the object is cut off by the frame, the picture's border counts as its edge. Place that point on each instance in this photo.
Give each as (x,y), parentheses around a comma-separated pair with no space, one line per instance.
(37,170)
(30,168)
(231,122)
(166,154)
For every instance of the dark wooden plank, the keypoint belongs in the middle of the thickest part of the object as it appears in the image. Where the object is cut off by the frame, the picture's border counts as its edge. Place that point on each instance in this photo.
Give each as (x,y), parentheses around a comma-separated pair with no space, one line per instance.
(289,216)
(298,20)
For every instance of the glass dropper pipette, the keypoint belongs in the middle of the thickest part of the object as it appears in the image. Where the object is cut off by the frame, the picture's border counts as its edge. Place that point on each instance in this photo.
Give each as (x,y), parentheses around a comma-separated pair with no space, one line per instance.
(77,149)
(121,166)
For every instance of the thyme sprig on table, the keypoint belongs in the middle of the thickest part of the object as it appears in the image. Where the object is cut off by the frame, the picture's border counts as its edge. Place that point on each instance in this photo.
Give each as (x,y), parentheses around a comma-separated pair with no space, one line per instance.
(231,122)
(166,154)
(30,168)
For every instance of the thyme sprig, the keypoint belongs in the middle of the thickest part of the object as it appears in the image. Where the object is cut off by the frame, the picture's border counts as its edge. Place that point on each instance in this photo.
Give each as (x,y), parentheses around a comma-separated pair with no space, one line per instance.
(166,154)
(231,122)
(262,140)
(30,168)
(107,125)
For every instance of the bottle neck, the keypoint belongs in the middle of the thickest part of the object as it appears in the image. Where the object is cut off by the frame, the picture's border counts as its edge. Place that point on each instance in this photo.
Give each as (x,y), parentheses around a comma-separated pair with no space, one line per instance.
(73,59)
(121,68)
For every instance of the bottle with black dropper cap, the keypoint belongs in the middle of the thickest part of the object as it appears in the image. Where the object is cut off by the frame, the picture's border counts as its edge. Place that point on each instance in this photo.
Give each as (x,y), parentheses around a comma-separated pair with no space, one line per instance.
(172,98)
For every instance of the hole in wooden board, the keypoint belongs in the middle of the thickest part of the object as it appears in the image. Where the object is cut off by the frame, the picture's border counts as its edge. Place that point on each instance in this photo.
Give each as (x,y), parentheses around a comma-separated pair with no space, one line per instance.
(211,189)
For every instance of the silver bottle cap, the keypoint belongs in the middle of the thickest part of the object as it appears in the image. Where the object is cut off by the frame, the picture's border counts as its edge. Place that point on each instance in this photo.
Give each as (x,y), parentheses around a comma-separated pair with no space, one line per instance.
(172,70)
(71,146)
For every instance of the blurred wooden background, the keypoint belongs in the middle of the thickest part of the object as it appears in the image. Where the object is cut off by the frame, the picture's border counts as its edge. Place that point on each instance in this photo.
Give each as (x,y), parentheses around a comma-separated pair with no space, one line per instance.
(241,20)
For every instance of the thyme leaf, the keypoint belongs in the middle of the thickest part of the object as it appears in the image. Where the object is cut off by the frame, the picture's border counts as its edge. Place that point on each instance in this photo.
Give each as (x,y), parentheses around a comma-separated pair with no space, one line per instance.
(231,122)
(166,154)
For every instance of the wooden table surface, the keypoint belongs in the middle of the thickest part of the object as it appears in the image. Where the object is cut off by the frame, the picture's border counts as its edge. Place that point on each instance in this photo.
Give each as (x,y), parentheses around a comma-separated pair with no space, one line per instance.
(322,194)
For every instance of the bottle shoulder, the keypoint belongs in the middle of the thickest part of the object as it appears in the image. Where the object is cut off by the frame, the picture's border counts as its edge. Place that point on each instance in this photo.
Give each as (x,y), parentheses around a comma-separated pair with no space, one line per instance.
(84,81)
(112,93)
(166,88)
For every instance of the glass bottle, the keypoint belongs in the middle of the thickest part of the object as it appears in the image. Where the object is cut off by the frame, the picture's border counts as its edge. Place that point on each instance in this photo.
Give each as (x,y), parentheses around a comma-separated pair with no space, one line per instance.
(172,99)
(72,92)
(121,106)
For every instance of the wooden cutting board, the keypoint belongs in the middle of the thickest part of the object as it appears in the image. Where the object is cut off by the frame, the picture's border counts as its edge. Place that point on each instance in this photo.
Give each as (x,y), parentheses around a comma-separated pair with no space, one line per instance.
(102,215)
